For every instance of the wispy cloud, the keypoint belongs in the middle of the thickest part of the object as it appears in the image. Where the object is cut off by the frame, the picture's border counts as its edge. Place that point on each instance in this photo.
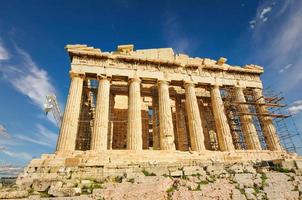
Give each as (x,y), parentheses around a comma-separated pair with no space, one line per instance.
(9,170)
(286,67)
(28,78)
(4,55)
(279,43)
(262,14)
(43,137)
(22,155)
(3,132)
(33,81)
(296,107)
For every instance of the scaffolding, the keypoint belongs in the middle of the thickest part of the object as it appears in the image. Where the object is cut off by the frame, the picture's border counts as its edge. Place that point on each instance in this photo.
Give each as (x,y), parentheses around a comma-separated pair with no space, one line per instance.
(276,109)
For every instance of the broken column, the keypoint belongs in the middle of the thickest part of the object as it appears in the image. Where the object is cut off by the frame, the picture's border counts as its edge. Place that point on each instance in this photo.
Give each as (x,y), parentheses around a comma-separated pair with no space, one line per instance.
(223,130)
(134,133)
(165,117)
(194,120)
(100,130)
(69,127)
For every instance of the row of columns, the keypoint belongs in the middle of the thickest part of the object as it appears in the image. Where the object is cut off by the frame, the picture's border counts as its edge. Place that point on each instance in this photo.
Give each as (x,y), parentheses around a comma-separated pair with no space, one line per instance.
(68,131)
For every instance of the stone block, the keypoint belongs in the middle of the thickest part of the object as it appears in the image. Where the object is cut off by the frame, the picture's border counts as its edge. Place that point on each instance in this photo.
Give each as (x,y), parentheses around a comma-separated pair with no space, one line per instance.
(41,185)
(298,164)
(64,192)
(215,169)
(245,179)
(72,162)
(176,173)
(193,170)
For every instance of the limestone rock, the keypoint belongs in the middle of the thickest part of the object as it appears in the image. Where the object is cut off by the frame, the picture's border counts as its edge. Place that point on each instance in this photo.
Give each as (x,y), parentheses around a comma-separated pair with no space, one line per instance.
(278,187)
(14,194)
(249,193)
(41,186)
(244,179)
(146,191)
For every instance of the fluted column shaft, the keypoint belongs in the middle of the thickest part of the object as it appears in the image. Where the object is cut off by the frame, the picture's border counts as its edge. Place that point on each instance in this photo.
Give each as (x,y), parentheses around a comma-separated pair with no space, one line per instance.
(165,117)
(194,120)
(250,133)
(134,133)
(267,125)
(100,130)
(69,127)
(222,126)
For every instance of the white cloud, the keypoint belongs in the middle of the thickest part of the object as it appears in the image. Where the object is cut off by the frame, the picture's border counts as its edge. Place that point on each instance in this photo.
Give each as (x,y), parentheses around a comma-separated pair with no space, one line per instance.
(283,44)
(22,155)
(42,137)
(285,68)
(3,132)
(33,82)
(296,107)
(261,15)
(4,55)
(252,24)
(28,78)
(264,12)
(9,170)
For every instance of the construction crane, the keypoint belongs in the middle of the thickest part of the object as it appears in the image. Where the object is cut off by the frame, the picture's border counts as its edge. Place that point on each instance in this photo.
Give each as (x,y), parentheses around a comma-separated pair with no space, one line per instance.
(51,104)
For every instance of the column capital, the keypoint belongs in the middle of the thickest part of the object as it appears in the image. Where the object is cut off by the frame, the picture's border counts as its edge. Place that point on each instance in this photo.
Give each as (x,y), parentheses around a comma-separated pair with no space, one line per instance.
(189,83)
(163,81)
(76,74)
(102,77)
(134,79)
(216,86)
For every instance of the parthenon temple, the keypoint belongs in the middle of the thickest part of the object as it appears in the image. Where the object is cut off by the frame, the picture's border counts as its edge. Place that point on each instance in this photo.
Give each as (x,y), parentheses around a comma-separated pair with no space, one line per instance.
(156,99)
(131,110)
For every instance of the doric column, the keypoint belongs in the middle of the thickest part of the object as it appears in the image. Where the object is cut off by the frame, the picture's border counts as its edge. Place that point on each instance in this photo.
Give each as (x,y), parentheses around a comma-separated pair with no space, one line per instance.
(69,127)
(249,131)
(194,120)
(100,130)
(223,130)
(267,125)
(165,117)
(134,133)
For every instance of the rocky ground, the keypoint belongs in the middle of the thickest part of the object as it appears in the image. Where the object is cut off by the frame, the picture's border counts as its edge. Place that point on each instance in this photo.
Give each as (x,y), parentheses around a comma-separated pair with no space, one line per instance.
(217,181)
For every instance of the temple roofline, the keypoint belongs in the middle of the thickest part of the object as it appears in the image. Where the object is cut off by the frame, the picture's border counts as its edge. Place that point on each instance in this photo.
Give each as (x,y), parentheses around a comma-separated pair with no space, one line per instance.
(161,56)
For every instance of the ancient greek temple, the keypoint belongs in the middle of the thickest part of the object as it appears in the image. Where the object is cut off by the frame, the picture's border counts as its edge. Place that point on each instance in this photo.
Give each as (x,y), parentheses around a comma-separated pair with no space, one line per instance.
(155,99)
(131,111)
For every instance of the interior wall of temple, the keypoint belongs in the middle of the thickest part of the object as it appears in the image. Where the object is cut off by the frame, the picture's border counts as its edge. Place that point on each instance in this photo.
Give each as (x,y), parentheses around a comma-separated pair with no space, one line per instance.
(120,117)
(85,119)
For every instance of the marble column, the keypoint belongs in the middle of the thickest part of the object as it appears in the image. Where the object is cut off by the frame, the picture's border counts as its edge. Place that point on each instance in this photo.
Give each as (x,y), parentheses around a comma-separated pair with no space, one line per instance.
(248,128)
(69,127)
(165,117)
(134,133)
(100,130)
(194,120)
(223,130)
(267,125)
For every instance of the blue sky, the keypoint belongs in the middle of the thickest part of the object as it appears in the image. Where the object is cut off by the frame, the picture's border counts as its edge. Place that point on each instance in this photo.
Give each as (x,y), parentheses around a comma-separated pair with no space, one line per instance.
(33,62)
